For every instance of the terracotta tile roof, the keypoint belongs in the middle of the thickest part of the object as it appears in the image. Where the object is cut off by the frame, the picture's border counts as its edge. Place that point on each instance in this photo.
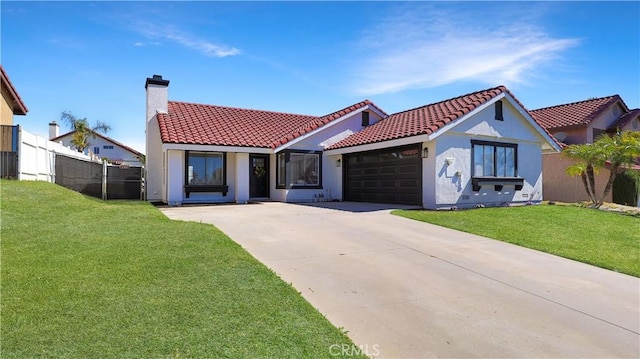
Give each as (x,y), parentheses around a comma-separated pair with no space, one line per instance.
(423,120)
(190,123)
(18,106)
(573,114)
(624,119)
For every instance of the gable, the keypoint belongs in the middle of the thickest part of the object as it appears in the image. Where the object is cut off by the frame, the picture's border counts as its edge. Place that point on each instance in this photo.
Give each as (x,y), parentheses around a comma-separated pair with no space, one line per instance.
(513,126)
(334,132)
(428,122)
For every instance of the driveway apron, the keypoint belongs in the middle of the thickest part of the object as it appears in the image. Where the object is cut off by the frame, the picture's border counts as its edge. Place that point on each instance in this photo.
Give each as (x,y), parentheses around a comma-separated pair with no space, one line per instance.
(407,289)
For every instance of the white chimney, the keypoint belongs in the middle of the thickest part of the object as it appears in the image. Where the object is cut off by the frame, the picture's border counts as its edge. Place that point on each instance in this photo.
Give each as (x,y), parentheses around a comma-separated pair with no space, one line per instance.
(157,102)
(54,130)
(157,95)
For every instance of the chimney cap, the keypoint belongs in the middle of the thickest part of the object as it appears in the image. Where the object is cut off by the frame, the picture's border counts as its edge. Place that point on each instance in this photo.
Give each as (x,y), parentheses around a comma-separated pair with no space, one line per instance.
(156,80)
(53,123)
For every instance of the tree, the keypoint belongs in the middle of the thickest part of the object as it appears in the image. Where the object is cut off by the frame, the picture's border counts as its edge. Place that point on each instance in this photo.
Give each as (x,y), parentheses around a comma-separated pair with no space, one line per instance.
(82,130)
(590,159)
(618,151)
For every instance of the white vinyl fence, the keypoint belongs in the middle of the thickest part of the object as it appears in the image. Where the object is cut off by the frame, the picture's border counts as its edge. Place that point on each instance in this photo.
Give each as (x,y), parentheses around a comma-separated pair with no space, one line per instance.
(36,156)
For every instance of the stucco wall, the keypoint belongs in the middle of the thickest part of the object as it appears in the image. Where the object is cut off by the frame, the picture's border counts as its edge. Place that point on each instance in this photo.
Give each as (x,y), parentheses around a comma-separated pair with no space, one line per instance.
(451,169)
(558,186)
(155,180)
(175,181)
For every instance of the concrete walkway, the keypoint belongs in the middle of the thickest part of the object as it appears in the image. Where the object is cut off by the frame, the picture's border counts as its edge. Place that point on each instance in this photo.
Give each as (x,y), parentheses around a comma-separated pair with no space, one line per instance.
(406,289)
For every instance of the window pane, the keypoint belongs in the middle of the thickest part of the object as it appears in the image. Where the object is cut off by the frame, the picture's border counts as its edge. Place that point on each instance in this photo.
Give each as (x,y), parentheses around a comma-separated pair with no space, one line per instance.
(311,170)
(477,160)
(196,170)
(488,161)
(214,169)
(510,162)
(296,166)
(501,162)
(282,165)
(304,168)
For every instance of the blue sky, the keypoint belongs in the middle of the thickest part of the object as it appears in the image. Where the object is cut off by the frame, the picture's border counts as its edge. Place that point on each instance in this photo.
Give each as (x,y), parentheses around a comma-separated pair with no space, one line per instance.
(92,58)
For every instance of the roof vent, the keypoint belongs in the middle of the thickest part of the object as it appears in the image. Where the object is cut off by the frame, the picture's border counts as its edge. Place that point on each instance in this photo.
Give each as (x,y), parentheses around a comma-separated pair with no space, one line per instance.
(365,118)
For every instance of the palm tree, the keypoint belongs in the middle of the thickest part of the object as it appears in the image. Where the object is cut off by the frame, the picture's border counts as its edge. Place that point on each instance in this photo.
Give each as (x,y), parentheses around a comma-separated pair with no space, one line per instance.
(618,151)
(621,150)
(82,130)
(590,159)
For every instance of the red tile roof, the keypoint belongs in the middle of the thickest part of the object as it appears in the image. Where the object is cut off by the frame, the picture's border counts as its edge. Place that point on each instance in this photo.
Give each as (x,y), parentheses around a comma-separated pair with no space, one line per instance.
(624,119)
(17,105)
(190,123)
(573,114)
(423,120)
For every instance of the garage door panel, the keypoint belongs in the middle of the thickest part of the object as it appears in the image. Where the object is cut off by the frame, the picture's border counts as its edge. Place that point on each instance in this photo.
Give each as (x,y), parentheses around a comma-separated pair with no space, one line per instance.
(390,176)
(408,169)
(388,170)
(405,184)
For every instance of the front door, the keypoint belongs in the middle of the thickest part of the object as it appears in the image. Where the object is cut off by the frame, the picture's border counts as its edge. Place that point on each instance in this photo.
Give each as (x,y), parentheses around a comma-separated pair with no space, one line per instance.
(258,176)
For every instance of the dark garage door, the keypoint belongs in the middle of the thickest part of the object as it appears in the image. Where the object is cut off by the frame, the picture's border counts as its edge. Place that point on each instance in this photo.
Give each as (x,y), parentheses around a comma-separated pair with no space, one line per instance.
(391,175)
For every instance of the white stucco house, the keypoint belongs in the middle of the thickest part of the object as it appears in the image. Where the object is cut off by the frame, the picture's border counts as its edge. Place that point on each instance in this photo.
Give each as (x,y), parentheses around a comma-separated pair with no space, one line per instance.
(479,148)
(100,146)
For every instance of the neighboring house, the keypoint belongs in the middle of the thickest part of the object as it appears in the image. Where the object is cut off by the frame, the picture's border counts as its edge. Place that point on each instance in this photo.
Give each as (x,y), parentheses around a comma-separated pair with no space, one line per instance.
(578,123)
(100,146)
(480,148)
(11,105)
(11,102)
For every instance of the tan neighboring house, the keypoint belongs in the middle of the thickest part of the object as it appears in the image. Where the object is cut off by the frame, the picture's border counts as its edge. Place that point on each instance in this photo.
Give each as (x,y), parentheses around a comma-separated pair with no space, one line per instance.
(11,105)
(11,102)
(577,123)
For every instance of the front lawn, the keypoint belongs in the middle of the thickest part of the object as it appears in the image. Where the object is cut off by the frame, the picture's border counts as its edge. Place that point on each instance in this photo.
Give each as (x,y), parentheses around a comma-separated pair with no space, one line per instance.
(85,278)
(603,239)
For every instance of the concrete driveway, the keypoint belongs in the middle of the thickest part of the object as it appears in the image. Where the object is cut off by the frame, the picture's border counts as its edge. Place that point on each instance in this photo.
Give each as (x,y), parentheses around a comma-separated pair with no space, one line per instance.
(406,289)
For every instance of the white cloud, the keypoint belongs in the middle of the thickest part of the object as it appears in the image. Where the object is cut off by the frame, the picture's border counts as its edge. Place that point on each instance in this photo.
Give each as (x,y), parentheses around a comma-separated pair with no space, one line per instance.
(423,47)
(175,35)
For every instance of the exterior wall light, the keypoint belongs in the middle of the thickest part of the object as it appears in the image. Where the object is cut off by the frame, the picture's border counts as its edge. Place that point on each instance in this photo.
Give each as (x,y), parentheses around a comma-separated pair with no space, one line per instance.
(338,162)
(425,152)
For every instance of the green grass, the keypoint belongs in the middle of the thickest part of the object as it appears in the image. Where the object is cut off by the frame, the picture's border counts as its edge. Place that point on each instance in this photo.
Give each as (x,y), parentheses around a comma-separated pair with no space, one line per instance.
(600,238)
(85,278)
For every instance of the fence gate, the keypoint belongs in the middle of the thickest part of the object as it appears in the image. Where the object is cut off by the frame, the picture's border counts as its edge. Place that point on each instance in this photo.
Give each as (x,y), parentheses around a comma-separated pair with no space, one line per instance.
(124,182)
(8,151)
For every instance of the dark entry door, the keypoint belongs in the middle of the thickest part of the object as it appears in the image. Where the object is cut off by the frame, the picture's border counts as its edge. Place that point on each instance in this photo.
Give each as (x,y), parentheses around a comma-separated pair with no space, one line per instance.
(391,175)
(258,176)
